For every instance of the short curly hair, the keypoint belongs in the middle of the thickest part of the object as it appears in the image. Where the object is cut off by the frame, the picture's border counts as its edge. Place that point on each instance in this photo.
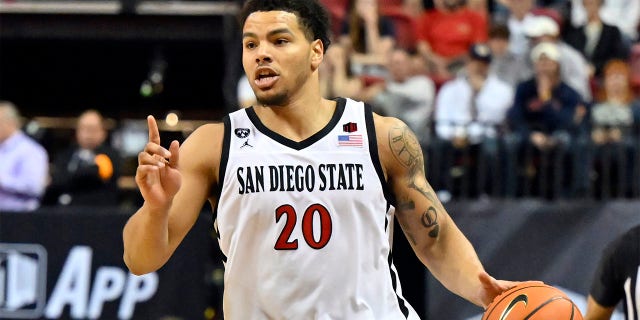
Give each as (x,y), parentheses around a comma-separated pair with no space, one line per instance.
(312,16)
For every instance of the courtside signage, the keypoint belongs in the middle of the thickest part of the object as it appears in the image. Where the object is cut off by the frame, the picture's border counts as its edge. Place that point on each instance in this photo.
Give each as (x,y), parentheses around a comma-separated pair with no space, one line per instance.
(23,280)
(23,285)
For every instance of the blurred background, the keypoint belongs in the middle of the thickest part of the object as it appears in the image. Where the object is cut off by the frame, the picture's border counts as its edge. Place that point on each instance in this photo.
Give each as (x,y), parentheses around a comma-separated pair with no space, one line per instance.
(464,75)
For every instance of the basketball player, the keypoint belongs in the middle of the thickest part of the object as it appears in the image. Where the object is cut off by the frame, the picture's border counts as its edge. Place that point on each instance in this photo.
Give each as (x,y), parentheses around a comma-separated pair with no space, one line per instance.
(302,190)
(616,279)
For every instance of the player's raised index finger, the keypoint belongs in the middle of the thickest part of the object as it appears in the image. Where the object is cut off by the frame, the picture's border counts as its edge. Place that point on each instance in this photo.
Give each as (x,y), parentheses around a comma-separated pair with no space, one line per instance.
(154,133)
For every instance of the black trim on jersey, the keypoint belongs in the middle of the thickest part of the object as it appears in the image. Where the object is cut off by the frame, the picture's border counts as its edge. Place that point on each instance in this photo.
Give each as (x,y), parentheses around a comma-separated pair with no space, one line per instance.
(340,103)
(224,159)
(401,302)
(373,151)
(375,159)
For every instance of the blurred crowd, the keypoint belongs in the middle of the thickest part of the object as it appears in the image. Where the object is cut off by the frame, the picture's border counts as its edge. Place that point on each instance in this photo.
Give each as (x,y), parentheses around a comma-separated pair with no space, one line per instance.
(84,173)
(508,97)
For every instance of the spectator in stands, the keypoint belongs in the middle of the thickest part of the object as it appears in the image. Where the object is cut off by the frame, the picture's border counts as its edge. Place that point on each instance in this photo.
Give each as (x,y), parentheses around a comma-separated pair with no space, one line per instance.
(598,41)
(502,9)
(469,114)
(336,80)
(547,118)
(445,34)
(24,164)
(615,119)
(505,64)
(368,38)
(518,13)
(405,94)
(87,172)
(624,14)
(342,82)
(573,66)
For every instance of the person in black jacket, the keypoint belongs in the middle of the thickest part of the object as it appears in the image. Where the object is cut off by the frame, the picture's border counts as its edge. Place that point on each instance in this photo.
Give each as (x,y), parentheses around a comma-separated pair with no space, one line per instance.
(597,41)
(87,172)
(546,121)
(616,279)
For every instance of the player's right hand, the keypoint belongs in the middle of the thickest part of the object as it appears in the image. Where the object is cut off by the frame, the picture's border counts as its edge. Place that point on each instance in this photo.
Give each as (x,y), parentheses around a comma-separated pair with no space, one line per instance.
(157,176)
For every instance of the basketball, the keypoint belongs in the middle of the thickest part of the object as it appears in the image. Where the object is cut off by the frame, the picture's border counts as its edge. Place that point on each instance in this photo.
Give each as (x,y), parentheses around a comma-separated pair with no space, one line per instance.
(532,300)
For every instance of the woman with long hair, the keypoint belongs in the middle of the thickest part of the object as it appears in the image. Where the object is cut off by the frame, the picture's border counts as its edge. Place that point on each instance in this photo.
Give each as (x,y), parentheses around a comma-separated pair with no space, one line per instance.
(615,120)
(368,37)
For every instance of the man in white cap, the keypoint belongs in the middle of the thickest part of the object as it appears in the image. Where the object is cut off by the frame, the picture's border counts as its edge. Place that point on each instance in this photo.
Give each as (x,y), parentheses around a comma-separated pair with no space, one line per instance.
(547,117)
(469,114)
(574,68)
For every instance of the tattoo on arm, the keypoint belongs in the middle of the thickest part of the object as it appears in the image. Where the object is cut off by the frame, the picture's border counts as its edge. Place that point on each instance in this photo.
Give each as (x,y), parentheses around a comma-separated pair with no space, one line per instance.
(430,220)
(406,149)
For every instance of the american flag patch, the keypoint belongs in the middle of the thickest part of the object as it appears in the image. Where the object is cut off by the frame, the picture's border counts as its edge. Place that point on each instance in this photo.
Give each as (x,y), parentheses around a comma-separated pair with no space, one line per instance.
(352,140)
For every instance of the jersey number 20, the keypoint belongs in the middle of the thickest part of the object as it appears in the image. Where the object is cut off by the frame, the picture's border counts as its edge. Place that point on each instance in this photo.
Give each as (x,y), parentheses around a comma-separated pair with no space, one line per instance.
(285,242)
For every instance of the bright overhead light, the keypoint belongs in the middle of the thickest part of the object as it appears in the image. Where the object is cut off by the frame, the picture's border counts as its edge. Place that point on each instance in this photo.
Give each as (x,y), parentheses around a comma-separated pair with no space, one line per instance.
(172,119)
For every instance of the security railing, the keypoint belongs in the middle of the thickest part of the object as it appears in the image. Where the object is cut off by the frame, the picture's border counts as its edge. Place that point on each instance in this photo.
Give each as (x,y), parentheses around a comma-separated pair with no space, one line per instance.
(505,166)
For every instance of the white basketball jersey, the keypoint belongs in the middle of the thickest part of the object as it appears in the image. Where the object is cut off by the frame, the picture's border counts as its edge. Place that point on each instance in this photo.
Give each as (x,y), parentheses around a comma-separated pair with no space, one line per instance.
(304,226)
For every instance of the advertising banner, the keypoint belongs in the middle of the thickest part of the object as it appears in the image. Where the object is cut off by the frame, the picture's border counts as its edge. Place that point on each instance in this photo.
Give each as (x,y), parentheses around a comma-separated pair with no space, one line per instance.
(67,264)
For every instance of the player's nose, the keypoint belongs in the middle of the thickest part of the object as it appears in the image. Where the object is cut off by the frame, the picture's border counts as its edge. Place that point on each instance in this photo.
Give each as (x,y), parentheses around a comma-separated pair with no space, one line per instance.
(263,55)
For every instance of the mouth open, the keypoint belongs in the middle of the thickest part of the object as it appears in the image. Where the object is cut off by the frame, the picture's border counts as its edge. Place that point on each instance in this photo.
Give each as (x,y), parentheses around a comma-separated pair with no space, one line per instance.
(266,78)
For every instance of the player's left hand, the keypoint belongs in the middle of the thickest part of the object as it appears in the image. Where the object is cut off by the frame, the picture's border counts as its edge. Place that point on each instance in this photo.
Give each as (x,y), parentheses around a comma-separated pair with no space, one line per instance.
(493,288)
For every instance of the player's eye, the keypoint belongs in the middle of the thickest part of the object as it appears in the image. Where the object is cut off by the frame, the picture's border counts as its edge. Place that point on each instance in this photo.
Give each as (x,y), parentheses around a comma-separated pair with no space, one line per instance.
(282,41)
(250,45)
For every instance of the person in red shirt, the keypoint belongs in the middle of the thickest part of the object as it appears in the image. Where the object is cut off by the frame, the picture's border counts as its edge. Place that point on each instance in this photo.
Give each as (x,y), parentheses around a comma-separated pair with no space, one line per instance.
(445,34)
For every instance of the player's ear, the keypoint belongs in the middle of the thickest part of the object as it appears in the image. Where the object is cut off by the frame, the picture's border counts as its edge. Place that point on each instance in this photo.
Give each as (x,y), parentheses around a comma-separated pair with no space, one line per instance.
(317,54)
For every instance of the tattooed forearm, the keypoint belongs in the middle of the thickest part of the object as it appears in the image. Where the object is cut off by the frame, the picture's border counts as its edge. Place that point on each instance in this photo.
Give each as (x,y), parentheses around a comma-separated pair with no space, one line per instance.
(406,149)
(407,205)
(430,220)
